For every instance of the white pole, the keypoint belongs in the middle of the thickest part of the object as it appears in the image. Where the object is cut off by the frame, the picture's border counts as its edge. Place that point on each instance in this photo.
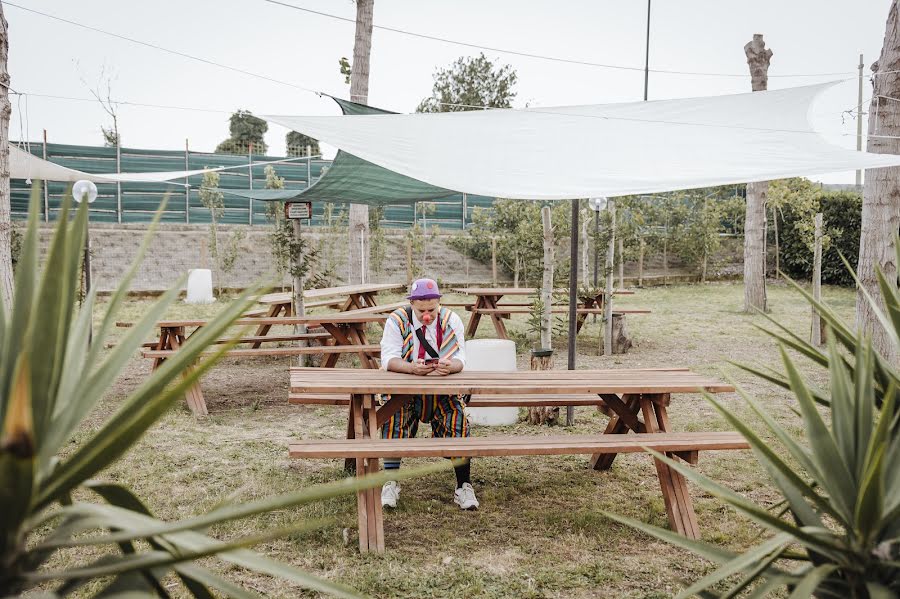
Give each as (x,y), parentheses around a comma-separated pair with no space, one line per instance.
(859,119)
(816,336)
(607,297)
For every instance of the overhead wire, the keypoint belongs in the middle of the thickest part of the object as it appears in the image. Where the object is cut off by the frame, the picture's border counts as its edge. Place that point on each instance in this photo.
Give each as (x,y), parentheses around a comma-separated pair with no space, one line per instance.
(539,56)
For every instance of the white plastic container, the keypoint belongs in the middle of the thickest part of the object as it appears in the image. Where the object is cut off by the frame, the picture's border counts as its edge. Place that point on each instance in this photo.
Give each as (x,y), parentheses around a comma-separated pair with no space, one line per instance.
(199,286)
(491,355)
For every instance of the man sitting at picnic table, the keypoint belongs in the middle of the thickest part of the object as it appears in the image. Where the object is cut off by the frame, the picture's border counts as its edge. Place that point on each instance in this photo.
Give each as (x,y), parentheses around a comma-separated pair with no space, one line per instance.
(426,339)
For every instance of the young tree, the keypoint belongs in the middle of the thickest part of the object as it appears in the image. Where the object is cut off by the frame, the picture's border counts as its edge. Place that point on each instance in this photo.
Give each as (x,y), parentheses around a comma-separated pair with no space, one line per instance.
(245,129)
(214,201)
(758,58)
(470,83)
(881,210)
(359,92)
(6,269)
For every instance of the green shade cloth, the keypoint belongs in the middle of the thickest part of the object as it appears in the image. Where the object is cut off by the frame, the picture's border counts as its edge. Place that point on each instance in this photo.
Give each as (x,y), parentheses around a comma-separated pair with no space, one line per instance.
(264,195)
(358,181)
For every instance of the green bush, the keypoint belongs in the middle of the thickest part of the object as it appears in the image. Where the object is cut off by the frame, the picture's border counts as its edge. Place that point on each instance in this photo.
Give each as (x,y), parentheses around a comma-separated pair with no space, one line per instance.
(842,215)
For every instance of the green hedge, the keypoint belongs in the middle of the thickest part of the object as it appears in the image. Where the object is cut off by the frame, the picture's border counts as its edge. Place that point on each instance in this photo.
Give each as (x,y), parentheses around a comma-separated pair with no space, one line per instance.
(842,216)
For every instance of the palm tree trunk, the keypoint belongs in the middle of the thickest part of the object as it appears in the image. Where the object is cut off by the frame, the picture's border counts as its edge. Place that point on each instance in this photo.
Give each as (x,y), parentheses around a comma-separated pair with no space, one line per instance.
(881,194)
(758,58)
(6,270)
(359,92)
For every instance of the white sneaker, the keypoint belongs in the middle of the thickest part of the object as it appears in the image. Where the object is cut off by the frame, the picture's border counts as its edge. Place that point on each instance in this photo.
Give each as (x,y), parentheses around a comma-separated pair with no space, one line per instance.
(464,497)
(390,493)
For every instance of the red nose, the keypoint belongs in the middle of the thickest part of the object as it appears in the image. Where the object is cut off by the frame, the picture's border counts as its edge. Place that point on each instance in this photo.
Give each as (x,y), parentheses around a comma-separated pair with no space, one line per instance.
(426,318)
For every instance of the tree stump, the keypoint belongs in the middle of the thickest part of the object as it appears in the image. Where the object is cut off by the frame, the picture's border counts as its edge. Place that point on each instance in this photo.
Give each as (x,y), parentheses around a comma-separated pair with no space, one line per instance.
(621,342)
(548,415)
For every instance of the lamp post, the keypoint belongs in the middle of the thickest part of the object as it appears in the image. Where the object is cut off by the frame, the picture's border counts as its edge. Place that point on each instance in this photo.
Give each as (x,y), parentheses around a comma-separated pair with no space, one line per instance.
(86,191)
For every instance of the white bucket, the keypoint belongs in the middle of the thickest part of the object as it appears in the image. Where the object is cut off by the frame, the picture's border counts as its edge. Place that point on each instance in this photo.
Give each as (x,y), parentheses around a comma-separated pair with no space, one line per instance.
(491,355)
(199,286)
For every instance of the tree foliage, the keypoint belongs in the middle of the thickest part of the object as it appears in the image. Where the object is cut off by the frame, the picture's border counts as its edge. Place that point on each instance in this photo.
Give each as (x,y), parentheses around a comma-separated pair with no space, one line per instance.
(245,129)
(471,82)
(297,144)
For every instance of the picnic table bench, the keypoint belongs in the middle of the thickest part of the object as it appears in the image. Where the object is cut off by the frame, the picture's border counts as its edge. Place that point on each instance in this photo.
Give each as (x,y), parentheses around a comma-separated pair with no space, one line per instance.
(637,399)
(343,333)
(487,303)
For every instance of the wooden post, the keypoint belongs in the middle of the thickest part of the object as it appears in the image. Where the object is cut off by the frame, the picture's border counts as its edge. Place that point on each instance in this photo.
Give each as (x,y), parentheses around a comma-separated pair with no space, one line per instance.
(6,270)
(608,297)
(299,307)
(816,338)
(641,263)
(494,260)
(666,253)
(621,258)
(46,186)
(250,172)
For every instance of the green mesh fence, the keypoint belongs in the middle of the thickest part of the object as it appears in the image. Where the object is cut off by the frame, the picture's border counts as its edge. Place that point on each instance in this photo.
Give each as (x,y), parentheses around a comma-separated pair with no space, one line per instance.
(138,202)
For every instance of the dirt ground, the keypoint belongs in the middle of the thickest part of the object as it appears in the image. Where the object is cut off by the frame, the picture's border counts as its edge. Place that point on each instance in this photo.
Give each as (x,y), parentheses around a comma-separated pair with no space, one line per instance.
(539,532)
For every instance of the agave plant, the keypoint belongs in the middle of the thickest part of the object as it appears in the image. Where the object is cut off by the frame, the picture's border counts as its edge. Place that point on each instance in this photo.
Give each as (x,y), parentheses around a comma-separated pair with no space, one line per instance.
(51,378)
(885,372)
(841,486)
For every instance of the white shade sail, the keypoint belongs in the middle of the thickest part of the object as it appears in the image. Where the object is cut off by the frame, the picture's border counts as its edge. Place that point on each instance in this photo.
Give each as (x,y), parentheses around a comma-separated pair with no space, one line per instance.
(598,150)
(23,165)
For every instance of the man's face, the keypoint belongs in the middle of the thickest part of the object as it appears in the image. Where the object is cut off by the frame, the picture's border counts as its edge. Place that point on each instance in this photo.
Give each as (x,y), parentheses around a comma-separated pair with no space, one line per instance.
(425,307)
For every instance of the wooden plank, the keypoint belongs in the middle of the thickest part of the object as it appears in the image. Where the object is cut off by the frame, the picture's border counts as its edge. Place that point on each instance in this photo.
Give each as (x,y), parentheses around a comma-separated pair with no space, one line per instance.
(520,291)
(362,496)
(345,290)
(561,310)
(517,445)
(280,351)
(477,401)
(664,474)
(682,493)
(312,320)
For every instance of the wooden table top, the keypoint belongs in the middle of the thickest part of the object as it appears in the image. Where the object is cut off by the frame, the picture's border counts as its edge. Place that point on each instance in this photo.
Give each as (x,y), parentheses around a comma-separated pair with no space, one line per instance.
(619,381)
(521,291)
(282,297)
(332,318)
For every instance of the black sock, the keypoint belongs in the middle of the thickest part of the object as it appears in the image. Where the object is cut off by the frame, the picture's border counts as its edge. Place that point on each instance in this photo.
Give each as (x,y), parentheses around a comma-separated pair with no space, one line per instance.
(463,473)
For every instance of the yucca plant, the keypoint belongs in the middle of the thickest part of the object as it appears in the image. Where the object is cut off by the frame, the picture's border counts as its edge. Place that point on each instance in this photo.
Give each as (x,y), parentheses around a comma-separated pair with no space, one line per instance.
(50,380)
(839,532)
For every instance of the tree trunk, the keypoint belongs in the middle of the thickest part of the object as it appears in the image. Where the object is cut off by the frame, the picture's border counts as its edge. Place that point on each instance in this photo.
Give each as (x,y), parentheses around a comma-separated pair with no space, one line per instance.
(666,253)
(881,193)
(777,246)
(299,306)
(494,260)
(585,248)
(409,262)
(359,92)
(758,58)
(547,282)
(608,296)
(516,270)
(816,337)
(621,258)
(548,415)
(6,270)
(641,263)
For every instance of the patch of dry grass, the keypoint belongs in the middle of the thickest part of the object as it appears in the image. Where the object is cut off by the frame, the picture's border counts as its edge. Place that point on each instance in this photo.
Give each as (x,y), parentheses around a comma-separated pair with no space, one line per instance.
(539,532)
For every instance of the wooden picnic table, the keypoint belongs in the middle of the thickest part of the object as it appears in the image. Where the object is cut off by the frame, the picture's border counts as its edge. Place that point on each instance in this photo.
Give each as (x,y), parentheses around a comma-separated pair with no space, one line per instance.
(344,332)
(637,399)
(487,303)
(348,298)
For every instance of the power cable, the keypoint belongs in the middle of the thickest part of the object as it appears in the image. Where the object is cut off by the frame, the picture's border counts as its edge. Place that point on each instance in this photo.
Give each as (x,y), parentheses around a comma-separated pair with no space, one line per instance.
(538,56)
(167,50)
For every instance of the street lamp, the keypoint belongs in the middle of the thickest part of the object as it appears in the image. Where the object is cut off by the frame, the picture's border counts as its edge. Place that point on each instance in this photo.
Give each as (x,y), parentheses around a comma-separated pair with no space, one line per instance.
(597,205)
(81,191)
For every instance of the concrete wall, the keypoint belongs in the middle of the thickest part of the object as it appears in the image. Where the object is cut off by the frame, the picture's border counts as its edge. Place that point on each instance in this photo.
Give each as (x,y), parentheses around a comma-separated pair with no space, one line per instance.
(177,248)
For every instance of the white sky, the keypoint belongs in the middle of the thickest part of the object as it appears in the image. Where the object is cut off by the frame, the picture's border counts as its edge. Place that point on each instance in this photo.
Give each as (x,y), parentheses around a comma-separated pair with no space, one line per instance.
(49,57)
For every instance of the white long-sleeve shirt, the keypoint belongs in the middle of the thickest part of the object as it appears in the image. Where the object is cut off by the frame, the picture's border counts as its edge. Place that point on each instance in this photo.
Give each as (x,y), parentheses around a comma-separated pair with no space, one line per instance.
(392,339)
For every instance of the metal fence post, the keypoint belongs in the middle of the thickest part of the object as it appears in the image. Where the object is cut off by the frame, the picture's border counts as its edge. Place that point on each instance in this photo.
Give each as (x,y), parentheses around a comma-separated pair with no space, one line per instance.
(118,183)
(46,183)
(250,169)
(187,184)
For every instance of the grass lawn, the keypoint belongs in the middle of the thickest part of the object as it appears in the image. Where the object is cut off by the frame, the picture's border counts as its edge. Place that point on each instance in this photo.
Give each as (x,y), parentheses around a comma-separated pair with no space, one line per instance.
(539,532)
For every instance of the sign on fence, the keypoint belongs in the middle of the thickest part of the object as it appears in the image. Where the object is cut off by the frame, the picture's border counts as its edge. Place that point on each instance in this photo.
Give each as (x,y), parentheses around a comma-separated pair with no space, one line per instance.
(298,210)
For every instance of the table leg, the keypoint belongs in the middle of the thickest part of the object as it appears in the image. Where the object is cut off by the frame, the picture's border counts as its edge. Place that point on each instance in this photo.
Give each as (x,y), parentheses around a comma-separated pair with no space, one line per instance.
(624,419)
(163,343)
(263,329)
(582,318)
(474,318)
(194,395)
(376,517)
(362,496)
(330,360)
(499,325)
(679,506)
